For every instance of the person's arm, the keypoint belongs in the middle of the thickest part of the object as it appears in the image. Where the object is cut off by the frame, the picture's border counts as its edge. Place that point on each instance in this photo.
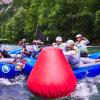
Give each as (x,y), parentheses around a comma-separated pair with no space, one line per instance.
(76,43)
(86,41)
(40,42)
(72,52)
(37,41)
(20,43)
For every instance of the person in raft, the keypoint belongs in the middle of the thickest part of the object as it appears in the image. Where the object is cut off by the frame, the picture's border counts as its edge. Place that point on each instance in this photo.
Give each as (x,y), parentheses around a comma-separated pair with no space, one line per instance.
(1,56)
(59,43)
(4,53)
(25,52)
(81,45)
(36,44)
(22,42)
(6,57)
(72,53)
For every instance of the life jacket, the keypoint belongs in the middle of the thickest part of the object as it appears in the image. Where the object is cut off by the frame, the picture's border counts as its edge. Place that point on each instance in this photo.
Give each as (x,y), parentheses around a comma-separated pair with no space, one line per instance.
(82,47)
(73,57)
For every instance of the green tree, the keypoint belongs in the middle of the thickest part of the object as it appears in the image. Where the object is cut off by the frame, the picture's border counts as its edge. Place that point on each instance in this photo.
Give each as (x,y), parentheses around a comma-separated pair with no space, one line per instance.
(22,18)
(15,26)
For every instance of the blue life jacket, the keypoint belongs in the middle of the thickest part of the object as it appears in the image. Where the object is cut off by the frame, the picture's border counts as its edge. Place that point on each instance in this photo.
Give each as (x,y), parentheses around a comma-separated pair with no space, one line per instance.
(74,62)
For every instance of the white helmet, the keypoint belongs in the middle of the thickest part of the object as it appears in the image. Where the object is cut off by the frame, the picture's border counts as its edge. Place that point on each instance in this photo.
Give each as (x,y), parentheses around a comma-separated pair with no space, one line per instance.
(23,39)
(58,38)
(78,35)
(70,42)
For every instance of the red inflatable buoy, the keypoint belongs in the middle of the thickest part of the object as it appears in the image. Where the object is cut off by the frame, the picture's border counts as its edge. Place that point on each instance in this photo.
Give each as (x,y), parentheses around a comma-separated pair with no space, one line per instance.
(52,76)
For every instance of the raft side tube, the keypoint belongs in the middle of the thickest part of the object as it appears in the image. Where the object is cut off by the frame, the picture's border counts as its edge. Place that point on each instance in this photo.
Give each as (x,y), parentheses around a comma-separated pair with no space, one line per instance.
(87,70)
(7,60)
(9,70)
(17,51)
(94,55)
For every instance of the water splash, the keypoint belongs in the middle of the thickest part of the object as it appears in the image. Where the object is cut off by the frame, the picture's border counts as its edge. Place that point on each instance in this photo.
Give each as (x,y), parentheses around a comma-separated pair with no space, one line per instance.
(14,89)
(85,89)
(17,80)
(5,81)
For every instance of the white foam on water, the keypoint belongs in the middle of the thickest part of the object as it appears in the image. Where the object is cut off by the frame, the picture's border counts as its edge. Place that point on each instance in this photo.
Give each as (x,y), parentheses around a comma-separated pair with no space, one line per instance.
(17,80)
(85,89)
(82,90)
(5,81)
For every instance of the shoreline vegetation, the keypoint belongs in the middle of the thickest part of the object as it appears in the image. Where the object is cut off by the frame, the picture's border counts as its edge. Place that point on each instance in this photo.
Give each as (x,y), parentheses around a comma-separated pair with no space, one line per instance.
(39,19)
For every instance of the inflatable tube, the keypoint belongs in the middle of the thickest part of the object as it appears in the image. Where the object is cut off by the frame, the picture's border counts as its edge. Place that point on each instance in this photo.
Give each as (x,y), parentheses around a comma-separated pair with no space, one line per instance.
(15,55)
(16,51)
(94,55)
(28,65)
(9,70)
(88,70)
(7,60)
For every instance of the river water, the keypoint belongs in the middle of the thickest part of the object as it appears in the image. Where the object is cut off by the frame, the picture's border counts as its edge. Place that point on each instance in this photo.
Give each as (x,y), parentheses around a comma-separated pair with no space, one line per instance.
(87,89)
(16,89)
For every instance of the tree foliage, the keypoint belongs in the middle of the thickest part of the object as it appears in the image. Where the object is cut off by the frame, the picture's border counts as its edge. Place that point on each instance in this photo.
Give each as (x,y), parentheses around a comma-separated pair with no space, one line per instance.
(22,18)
